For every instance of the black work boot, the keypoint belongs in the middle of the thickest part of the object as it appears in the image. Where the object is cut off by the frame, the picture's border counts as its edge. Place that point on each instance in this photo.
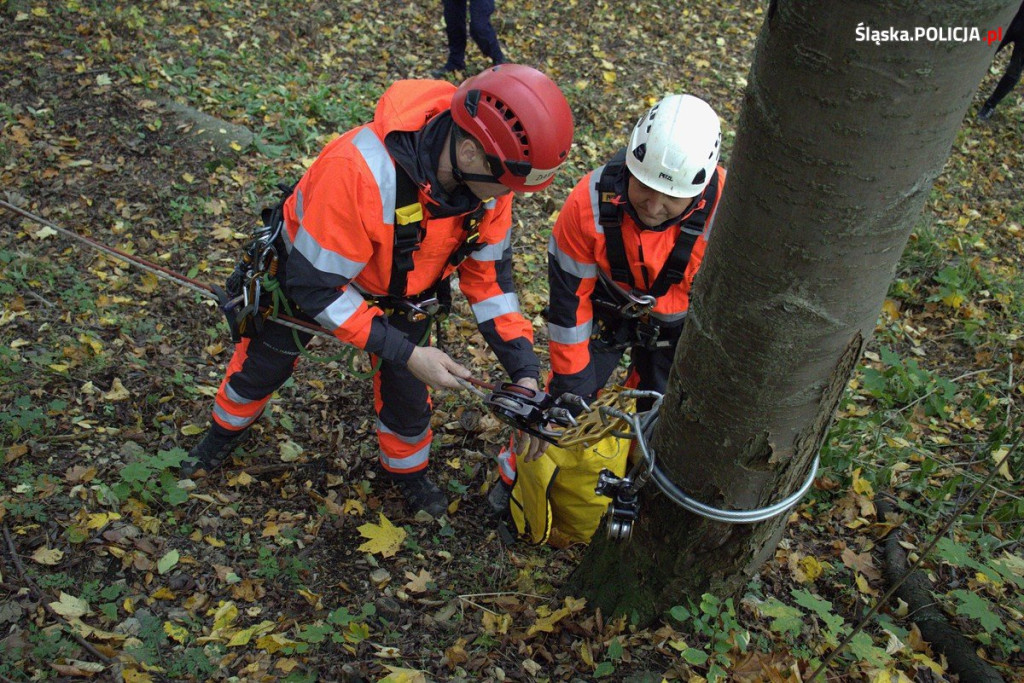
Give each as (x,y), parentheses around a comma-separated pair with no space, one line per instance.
(985,113)
(210,453)
(421,493)
(498,497)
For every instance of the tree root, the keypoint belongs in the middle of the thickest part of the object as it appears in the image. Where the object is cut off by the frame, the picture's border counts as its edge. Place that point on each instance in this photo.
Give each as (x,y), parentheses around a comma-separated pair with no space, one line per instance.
(915,590)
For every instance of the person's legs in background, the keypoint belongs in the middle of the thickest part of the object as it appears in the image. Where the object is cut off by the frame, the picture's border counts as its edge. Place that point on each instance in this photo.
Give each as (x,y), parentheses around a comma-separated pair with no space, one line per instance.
(482,32)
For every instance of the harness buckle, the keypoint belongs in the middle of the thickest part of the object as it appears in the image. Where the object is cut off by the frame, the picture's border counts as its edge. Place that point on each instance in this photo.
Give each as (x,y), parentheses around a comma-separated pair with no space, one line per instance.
(637,305)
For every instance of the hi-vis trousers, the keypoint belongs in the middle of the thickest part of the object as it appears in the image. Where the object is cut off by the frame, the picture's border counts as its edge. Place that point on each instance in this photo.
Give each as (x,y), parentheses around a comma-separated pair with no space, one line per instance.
(259,367)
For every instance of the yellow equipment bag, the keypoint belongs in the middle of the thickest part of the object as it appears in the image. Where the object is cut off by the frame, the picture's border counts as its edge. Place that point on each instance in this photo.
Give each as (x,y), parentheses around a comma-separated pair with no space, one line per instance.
(553,497)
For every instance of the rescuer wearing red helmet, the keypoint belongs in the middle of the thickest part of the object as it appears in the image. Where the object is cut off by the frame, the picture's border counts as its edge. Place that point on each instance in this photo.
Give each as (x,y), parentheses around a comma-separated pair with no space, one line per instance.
(358,260)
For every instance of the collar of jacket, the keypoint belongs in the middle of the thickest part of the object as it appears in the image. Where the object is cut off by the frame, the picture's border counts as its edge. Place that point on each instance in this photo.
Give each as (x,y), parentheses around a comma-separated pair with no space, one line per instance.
(418,152)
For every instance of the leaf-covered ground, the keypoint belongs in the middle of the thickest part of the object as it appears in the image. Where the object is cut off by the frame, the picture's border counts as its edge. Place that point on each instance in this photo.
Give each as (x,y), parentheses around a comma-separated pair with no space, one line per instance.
(298,562)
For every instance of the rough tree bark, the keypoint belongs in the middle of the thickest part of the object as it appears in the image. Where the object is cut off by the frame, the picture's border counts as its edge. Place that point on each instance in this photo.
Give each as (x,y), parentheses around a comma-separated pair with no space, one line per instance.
(837,147)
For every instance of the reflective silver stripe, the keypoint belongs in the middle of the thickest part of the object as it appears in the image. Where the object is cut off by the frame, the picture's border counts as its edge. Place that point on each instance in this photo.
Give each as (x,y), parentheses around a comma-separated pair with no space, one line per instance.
(323,259)
(569,264)
(710,224)
(570,335)
(234,397)
(492,252)
(338,313)
(382,166)
(669,317)
(595,199)
(233,420)
(505,463)
(408,463)
(384,429)
(489,309)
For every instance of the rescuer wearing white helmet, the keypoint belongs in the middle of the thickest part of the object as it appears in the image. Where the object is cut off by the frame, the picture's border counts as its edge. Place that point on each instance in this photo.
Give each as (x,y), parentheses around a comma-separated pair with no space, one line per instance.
(625,248)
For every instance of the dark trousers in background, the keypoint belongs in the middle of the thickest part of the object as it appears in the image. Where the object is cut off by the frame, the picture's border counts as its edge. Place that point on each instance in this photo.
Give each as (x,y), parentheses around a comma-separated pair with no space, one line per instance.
(480,30)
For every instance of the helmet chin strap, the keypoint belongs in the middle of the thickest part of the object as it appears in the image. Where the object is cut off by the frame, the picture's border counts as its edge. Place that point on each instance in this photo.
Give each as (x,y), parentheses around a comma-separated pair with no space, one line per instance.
(461,176)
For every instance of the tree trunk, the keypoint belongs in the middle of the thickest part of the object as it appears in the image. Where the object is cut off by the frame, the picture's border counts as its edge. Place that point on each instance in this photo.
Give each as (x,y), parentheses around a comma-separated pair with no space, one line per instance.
(838,144)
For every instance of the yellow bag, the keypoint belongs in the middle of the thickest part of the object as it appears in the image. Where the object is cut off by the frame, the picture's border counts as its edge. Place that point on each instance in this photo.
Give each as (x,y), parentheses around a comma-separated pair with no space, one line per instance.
(553,497)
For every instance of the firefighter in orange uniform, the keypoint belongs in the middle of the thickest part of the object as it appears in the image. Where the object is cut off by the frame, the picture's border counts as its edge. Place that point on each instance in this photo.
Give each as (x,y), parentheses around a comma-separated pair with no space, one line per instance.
(625,248)
(358,261)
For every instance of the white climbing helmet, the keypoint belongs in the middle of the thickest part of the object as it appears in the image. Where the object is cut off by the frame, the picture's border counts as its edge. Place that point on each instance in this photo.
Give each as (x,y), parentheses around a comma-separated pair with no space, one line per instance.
(674,146)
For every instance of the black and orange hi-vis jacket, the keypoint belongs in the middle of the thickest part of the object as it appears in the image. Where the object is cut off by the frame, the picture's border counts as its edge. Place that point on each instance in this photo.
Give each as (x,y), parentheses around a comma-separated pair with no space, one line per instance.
(339,236)
(577,249)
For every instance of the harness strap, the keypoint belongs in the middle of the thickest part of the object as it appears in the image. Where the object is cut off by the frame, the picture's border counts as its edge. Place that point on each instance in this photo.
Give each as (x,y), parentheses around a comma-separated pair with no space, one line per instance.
(610,217)
(408,231)
(610,209)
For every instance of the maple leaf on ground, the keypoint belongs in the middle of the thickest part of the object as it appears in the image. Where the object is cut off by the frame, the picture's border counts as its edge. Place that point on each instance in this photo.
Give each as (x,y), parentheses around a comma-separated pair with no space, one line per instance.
(385,538)
(418,583)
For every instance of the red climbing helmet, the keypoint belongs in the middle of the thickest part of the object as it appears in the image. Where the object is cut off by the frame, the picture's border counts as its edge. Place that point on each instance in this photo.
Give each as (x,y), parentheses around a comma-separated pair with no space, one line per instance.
(522,120)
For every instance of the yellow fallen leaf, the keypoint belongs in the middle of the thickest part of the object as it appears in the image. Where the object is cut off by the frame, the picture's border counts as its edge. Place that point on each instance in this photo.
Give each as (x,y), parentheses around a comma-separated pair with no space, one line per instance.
(69,606)
(243,636)
(133,676)
(400,675)
(353,507)
(312,598)
(175,632)
(496,624)
(862,486)
(98,520)
(163,593)
(48,556)
(117,392)
(385,538)
(1004,469)
(192,430)
(274,642)
(225,615)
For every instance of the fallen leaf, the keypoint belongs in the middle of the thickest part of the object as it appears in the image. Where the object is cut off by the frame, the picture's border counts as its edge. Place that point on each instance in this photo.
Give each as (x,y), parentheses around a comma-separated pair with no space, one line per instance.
(385,538)
(69,606)
(117,392)
(47,556)
(418,582)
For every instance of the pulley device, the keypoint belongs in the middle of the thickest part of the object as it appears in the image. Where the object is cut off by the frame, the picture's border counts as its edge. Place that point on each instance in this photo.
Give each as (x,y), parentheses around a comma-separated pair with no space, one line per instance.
(532,411)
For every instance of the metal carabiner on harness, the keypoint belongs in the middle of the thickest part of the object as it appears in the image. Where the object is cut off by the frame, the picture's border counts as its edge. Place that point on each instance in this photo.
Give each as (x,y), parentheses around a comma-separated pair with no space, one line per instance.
(240,301)
(416,311)
(533,411)
(637,305)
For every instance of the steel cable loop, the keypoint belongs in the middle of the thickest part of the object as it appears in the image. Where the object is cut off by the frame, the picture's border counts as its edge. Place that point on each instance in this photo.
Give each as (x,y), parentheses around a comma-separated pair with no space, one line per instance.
(677,496)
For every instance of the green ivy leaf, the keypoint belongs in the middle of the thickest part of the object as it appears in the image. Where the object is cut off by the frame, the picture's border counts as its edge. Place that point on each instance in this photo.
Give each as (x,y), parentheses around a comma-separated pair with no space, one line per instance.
(695,656)
(604,669)
(976,607)
(864,649)
(615,650)
(785,618)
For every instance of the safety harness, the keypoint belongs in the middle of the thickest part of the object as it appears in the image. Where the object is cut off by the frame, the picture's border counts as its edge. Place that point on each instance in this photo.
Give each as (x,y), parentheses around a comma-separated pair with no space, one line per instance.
(262,256)
(631,306)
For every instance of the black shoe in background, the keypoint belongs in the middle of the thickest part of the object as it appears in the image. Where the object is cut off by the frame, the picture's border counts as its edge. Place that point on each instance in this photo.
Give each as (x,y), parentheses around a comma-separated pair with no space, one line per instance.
(210,453)
(421,493)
